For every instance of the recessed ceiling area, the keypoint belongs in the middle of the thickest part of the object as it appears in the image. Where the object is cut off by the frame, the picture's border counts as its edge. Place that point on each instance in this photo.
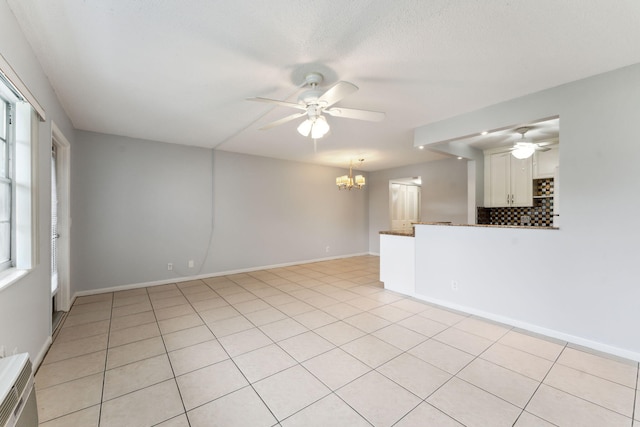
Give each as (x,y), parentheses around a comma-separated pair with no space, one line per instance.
(180,72)
(544,131)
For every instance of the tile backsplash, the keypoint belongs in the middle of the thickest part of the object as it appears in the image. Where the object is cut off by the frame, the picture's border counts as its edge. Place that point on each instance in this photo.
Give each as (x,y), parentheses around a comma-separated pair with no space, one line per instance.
(538,215)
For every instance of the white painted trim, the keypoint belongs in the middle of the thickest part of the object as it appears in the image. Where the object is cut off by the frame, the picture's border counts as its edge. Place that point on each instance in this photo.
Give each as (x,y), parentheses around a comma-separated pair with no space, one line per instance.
(204,276)
(536,329)
(63,163)
(43,352)
(10,276)
(13,77)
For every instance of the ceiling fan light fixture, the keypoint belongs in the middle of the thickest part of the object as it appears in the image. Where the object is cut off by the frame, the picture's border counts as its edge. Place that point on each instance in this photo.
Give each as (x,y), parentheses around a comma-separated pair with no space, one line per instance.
(316,127)
(314,102)
(319,128)
(305,127)
(523,150)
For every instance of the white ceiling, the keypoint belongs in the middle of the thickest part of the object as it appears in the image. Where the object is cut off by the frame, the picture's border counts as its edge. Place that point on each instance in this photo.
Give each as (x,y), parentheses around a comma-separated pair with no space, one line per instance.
(180,72)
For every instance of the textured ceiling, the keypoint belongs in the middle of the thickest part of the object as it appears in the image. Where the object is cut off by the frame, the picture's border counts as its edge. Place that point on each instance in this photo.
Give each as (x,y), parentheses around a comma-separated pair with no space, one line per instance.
(180,72)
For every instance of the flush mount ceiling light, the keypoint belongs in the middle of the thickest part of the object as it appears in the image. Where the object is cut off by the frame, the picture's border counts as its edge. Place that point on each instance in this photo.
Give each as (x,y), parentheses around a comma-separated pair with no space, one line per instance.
(314,102)
(347,182)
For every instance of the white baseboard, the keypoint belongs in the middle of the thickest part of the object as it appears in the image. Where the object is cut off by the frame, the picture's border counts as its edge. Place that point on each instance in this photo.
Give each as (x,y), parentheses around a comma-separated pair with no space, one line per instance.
(204,276)
(552,333)
(43,351)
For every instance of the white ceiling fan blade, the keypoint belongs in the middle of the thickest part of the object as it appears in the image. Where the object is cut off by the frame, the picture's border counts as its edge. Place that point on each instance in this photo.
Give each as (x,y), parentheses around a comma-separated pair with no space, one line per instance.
(283,120)
(337,92)
(280,103)
(351,113)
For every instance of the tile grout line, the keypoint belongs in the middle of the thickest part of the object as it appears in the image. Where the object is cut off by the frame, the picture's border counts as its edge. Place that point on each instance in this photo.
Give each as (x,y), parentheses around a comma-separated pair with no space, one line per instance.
(106,358)
(636,397)
(538,387)
(249,384)
(475,357)
(557,362)
(166,352)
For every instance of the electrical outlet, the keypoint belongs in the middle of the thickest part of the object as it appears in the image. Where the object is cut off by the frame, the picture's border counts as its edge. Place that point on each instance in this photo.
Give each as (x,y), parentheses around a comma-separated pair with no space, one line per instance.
(454,286)
(15,351)
(525,219)
(190,263)
(170,266)
(327,249)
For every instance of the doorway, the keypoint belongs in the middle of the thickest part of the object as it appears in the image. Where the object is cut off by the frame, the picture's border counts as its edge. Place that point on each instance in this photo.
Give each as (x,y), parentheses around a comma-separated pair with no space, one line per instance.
(60,224)
(404,203)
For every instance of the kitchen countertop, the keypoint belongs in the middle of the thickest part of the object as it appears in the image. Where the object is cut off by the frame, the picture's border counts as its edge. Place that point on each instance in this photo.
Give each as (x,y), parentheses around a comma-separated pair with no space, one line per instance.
(486,225)
(399,233)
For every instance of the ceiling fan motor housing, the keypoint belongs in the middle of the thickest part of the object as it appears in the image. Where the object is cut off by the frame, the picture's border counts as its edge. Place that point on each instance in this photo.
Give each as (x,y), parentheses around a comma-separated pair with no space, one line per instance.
(313,79)
(310,97)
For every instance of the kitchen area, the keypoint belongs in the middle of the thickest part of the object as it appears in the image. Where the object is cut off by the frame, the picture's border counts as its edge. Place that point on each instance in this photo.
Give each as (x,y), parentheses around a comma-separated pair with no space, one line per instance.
(519,189)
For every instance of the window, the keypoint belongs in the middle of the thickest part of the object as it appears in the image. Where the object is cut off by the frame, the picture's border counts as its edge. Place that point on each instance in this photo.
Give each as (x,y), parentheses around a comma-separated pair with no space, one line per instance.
(18,176)
(6,205)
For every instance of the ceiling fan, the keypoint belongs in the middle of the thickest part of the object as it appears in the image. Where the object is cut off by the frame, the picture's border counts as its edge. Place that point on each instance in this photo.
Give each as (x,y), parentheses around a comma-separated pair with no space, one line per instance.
(523,148)
(313,103)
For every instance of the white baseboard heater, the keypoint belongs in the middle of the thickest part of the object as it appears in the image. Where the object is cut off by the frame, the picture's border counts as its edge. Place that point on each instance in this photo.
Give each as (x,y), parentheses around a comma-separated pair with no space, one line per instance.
(18,406)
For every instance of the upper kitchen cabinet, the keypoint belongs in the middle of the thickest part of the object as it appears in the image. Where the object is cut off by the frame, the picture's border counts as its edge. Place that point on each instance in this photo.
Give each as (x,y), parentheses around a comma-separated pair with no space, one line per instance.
(546,162)
(508,181)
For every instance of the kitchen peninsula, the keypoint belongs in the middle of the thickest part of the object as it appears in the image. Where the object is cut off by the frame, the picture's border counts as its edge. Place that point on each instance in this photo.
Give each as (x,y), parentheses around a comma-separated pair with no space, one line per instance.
(399,259)
(493,271)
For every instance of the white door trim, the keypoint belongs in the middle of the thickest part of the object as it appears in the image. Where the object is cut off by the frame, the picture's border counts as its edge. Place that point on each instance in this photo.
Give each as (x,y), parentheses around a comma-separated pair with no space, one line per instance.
(63,165)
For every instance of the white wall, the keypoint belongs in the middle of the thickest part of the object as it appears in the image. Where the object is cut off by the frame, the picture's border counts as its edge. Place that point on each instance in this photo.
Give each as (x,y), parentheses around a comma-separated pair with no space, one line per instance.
(138,205)
(443,195)
(25,307)
(580,281)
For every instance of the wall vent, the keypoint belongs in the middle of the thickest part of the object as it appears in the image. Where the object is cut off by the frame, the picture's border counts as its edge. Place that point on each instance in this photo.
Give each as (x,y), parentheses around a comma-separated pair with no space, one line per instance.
(18,405)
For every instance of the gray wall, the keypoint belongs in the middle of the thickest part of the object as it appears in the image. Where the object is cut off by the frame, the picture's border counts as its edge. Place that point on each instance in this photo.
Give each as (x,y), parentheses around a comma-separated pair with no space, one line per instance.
(443,195)
(25,307)
(270,211)
(138,205)
(580,281)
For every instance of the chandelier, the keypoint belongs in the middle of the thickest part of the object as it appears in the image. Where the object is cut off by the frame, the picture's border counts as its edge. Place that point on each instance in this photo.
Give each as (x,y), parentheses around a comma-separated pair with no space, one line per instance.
(348,181)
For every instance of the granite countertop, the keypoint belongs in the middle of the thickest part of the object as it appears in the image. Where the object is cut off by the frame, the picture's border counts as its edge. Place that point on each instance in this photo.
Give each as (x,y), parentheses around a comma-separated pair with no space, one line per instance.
(399,233)
(486,225)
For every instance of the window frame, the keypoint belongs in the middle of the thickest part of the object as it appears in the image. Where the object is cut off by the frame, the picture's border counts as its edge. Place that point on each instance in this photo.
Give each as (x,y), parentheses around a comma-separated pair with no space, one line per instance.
(8,178)
(23,148)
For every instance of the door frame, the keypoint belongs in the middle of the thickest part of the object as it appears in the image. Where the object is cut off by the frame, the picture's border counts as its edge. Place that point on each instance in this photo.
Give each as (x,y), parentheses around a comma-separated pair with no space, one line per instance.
(63,175)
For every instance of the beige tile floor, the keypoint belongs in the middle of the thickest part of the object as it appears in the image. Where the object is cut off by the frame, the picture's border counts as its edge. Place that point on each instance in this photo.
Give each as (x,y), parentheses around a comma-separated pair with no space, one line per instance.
(319,344)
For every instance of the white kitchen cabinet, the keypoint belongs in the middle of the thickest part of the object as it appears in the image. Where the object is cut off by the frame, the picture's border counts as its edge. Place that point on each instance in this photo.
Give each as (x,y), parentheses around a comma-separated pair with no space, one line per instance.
(545,162)
(508,181)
